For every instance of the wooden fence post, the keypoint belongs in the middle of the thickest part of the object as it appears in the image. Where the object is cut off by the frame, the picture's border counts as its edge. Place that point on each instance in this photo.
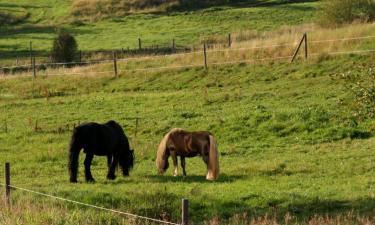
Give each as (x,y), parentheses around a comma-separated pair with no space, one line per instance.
(205,56)
(173,45)
(185,212)
(115,63)
(31,52)
(136,127)
(299,46)
(34,69)
(80,56)
(7,183)
(305,35)
(139,43)
(229,40)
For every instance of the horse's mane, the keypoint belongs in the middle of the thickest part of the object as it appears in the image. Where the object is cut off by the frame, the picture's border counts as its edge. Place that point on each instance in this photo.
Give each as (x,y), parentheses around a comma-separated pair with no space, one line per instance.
(161,153)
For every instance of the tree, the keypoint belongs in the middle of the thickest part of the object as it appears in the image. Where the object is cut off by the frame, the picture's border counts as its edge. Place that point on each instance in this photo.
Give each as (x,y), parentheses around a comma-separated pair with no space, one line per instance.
(64,48)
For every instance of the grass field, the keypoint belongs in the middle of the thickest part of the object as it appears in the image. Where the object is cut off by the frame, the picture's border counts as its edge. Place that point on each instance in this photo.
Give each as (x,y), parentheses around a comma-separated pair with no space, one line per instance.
(186,27)
(287,149)
(292,150)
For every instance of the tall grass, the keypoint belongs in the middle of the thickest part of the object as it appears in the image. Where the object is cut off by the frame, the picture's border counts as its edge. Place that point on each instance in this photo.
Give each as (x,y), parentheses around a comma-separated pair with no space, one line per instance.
(248,47)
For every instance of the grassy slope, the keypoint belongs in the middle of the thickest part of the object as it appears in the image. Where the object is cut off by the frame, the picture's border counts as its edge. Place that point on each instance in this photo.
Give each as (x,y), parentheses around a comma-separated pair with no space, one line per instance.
(186,27)
(283,141)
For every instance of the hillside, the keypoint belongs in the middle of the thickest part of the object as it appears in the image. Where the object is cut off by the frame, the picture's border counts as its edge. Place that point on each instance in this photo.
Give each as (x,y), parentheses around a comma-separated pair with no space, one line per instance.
(286,143)
(186,27)
(295,139)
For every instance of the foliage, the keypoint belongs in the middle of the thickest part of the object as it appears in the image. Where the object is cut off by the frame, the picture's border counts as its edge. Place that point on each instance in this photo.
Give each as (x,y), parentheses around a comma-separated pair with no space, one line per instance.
(64,48)
(360,83)
(336,12)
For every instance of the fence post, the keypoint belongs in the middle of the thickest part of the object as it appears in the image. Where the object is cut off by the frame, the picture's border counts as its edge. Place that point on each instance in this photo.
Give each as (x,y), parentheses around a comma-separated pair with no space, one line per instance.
(205,56)
(140,43)
(34,69)
(173,45)
(299,46)
(80,56)
(115,63)
(185,212)
(7,183)
(136,126)
(229,40)
(305,35)
(31,52)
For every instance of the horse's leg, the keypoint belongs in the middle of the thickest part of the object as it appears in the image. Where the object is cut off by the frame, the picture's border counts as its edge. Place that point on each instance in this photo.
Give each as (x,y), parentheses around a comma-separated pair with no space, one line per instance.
(109,160)
(205,158)
(112,168)
(183,165)
(175,163)
(87,163)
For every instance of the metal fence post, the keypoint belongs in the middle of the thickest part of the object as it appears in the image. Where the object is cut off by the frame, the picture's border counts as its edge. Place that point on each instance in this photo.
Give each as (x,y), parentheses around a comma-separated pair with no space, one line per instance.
(185,212)
(7,183)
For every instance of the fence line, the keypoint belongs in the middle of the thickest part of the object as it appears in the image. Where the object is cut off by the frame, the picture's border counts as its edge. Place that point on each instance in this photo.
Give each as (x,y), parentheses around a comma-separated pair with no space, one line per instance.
(216,63)
(92,206)
(191,53)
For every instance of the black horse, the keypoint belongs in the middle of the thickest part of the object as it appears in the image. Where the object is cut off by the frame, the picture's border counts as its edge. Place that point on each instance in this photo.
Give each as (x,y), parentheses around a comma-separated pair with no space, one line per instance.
(106,139)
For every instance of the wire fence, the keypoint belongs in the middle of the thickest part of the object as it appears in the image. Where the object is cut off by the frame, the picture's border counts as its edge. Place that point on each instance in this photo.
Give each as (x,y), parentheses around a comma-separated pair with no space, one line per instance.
(187,65)
(90,205)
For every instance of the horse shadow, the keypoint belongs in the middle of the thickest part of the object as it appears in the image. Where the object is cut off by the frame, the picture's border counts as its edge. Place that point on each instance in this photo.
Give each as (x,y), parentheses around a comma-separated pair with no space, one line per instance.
(223,178)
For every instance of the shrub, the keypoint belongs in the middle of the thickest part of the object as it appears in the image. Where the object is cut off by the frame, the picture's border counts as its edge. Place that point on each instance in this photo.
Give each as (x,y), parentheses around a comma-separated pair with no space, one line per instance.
(360,83)
(336,12)
(64,48)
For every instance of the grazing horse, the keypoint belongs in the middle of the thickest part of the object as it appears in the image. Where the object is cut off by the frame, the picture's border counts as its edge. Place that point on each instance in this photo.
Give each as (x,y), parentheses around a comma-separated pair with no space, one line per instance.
(179,142)
(106,139)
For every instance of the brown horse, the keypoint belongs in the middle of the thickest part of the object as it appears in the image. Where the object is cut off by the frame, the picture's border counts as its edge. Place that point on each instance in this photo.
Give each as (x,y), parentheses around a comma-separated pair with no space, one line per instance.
(179,142)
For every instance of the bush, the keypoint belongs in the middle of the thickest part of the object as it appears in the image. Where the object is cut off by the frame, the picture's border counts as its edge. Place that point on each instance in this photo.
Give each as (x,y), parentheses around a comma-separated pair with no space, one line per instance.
(64,48)
(336,12)
(360,84)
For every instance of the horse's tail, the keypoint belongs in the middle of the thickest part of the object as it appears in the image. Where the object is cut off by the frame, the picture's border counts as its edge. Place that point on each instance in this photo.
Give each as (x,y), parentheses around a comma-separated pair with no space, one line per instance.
(74,149)
(161,155)
(213,161)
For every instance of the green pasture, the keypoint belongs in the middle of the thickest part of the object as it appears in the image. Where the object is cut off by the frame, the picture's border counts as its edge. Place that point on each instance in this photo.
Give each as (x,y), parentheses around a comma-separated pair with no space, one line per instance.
(43,18)
(286,145)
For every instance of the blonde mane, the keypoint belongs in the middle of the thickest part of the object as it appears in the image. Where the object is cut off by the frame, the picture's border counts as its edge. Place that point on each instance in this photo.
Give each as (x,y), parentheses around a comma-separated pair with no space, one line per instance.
(161,156)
